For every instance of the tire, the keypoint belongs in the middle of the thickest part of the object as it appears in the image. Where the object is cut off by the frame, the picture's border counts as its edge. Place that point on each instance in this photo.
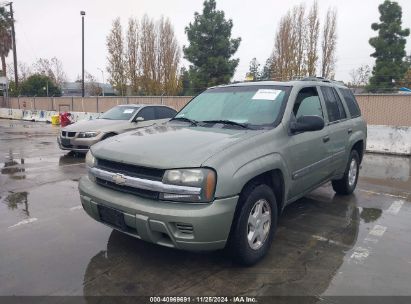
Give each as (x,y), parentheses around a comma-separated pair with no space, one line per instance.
(347,184)
(242,250)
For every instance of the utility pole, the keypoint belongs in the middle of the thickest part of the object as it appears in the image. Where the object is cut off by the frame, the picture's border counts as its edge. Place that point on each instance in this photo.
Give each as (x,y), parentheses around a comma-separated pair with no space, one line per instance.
(82,13)
(13,33)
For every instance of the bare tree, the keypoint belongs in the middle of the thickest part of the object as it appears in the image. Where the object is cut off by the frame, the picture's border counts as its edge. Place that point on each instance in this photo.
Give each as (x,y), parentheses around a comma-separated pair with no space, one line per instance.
(168,58)
(360,77)
(92,87)
(329,44)
(24,71)
(116,61)
(148,57)
(300,32)
(53,68)
(284,49)
(313,31)
(132,54)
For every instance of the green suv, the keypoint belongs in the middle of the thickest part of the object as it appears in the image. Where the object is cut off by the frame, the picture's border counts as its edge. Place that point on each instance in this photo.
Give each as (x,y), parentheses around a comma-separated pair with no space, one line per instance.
(219,174)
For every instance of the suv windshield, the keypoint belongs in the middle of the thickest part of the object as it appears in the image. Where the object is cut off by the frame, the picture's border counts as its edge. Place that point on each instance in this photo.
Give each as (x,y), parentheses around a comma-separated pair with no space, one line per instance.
(119,113)
(246,105)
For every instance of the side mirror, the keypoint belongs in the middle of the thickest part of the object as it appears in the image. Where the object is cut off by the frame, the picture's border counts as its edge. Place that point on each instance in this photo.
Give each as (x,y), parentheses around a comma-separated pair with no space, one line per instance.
(139,119)
(307,123)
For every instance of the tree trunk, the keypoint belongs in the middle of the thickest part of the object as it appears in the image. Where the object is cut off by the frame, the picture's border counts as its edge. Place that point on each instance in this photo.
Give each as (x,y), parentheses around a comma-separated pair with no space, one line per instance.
(3,65)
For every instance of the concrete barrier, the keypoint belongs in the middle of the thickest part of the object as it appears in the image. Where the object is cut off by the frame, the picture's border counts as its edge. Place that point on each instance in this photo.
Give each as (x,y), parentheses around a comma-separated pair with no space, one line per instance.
(388,139)
(11,113)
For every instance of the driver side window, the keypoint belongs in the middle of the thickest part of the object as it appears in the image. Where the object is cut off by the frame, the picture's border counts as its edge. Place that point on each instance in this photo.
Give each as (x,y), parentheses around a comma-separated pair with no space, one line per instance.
(307,102)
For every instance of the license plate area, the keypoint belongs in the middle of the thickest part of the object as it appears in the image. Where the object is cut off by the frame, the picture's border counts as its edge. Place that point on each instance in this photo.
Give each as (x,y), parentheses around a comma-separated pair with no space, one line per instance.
(65,141)
(112,217)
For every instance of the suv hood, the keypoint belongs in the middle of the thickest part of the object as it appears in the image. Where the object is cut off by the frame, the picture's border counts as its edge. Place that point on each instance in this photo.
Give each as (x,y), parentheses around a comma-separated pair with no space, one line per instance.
(169,146)
(97,125)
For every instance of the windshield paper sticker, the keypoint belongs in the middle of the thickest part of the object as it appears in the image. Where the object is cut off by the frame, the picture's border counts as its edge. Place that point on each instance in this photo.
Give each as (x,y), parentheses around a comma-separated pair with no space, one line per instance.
(267,94)
(128,111)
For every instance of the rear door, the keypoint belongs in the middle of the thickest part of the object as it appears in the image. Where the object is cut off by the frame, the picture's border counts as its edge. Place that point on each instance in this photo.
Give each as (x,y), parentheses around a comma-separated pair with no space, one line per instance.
(338,127)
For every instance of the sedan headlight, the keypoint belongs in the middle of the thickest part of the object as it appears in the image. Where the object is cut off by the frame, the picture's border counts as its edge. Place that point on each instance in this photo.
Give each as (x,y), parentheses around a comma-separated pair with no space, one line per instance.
(202,178)
(90,160)
(89,134)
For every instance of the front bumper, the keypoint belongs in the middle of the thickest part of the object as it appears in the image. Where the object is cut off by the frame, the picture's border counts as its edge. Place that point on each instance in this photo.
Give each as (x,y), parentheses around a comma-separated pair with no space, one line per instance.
(75,144)
(178,225)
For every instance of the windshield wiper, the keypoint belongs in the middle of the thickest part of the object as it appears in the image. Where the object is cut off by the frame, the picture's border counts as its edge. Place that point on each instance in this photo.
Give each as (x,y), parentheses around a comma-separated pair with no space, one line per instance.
(192,121)
(227,122)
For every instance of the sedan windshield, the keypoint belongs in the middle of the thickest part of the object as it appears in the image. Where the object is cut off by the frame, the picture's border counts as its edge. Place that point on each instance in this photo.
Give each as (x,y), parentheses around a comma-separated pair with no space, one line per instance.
(119,113)
(236,106)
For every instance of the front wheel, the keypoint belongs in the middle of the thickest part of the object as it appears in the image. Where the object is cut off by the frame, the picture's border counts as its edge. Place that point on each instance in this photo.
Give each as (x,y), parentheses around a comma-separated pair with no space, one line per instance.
(255,225)
(347,184)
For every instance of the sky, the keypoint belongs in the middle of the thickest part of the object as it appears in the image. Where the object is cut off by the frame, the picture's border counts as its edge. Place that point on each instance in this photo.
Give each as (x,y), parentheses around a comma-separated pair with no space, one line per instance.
(52,28)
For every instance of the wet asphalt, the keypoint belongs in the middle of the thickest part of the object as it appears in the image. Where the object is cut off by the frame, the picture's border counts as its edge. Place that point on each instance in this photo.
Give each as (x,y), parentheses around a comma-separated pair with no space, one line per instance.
(325,244)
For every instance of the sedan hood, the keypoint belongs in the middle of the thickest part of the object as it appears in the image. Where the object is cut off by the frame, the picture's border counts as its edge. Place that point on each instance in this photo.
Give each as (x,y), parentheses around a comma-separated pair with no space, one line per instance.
(169,146)
(97,125)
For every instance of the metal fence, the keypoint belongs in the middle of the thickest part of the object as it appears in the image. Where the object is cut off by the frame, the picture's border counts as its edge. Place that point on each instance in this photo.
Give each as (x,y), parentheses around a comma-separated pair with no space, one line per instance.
(380,109)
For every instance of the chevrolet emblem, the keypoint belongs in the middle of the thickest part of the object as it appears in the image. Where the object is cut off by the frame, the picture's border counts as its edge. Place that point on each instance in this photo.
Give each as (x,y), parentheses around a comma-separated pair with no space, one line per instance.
(119,179)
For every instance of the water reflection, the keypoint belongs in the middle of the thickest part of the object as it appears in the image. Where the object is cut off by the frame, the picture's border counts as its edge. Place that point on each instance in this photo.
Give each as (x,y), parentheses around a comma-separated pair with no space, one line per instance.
(13,168)
(300,262)
(14,199)
(71,158)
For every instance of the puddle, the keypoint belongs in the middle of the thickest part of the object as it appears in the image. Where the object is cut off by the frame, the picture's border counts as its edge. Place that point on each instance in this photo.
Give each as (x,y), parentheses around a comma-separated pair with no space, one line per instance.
(14,169)
(18,199)
(369,215)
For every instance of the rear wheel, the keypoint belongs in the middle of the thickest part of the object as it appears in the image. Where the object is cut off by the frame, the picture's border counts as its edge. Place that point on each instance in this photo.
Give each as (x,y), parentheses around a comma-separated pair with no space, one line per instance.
(347,184)
(255,225)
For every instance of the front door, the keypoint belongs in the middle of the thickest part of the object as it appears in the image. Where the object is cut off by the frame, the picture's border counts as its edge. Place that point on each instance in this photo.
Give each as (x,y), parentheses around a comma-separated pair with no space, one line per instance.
(308,152)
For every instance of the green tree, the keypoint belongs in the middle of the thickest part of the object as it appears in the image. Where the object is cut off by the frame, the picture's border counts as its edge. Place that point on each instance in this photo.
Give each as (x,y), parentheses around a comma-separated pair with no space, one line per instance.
(5,37)
(389,45)
(36,85)
(210,48)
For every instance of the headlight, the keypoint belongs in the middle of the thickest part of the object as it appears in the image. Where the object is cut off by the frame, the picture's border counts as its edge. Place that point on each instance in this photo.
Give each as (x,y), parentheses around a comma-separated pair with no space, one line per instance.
(90,160)
(201,178)
(88,134)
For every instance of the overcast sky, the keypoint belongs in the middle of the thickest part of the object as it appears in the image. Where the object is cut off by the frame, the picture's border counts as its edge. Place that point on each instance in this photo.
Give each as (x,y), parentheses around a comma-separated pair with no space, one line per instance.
(48,28)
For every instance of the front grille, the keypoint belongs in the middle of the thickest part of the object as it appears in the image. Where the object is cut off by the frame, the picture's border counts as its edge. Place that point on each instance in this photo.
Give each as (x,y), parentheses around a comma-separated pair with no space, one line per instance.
(130,170)
(140,192)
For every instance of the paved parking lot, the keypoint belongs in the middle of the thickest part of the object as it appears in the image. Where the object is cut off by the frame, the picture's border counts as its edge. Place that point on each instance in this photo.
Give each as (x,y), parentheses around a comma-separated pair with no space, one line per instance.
(325,244)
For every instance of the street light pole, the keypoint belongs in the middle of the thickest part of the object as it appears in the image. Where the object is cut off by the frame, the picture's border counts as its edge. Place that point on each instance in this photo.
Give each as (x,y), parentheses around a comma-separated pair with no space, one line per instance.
(82,13)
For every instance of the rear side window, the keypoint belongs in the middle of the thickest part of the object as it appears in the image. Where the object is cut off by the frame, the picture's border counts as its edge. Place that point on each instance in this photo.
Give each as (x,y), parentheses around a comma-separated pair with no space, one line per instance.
(335,108)
(351,102)
(164,112)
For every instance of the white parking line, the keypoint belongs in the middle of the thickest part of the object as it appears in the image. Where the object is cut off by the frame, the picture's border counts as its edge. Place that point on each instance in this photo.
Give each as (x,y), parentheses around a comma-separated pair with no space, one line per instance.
(24,222)
(76,208)
(386,194)
(395,207)
(378,230)
(360,254)
(323,239)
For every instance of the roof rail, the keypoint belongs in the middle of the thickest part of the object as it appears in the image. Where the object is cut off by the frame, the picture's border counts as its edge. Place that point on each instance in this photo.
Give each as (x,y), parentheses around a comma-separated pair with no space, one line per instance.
(315,78)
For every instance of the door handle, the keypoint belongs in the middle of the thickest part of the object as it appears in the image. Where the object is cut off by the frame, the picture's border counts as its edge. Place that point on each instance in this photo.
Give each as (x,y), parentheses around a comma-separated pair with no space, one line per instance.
(326,139)
(349,131)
